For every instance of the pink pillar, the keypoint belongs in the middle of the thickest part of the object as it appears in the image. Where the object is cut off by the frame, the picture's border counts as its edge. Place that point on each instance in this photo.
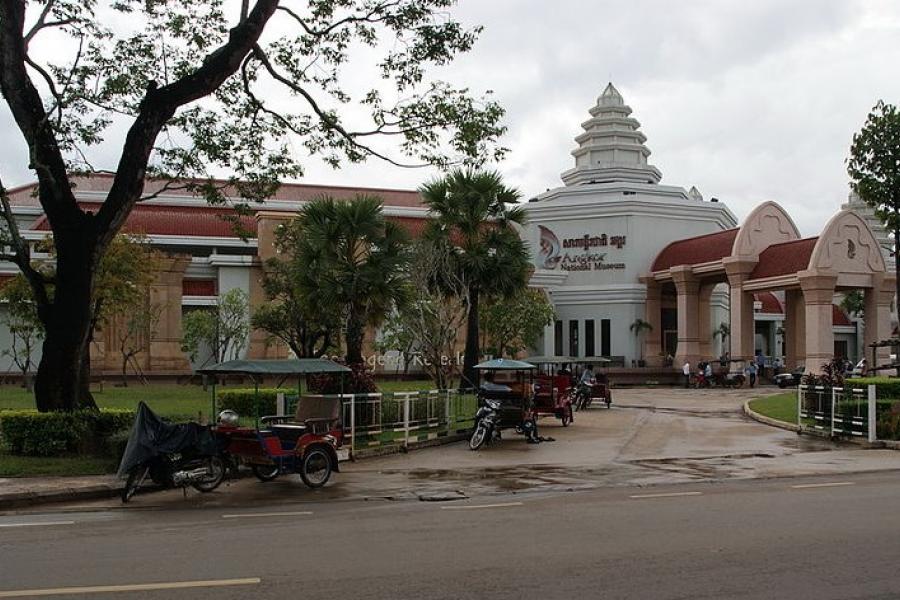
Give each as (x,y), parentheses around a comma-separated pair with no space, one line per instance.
(687,288)
(652,314)
(794,332)
(743,332)
(877,317)
(704,318)
(818,296)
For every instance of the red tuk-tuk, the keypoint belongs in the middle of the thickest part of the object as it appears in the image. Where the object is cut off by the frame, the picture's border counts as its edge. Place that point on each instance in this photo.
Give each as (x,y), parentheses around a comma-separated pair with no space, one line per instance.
(304,442)
(598,390)
(554,392)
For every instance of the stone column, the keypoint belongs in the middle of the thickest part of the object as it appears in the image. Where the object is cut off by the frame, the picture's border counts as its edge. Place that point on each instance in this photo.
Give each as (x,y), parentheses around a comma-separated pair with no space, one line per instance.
(818,296)
(687,288)
(794,334)
(165,292)
(704,317)
(743,332)
(267,222)
(653,314)
(877,318)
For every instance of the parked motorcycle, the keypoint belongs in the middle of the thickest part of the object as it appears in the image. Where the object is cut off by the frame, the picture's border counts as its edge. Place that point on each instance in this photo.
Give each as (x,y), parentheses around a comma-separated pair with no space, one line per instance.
(487,424)
(170,455)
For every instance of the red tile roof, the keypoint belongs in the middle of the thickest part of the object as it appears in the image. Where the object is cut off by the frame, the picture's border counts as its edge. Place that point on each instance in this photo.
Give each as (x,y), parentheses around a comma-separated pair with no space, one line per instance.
(839,318)
(770,303)
(293,192)
(696,250)
(198,287)
(784,258)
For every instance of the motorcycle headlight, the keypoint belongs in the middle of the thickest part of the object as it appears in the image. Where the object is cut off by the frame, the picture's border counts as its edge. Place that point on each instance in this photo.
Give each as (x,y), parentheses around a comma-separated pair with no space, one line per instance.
(494,404)
(228,417)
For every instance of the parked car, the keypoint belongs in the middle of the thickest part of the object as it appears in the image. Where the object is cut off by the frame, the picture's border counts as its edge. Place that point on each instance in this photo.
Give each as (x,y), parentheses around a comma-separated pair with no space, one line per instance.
(791,379)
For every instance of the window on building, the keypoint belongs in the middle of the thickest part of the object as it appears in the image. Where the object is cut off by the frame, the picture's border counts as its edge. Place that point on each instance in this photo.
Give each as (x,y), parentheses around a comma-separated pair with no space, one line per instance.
(605,338)
(573,338)
(558,338)
(589,337)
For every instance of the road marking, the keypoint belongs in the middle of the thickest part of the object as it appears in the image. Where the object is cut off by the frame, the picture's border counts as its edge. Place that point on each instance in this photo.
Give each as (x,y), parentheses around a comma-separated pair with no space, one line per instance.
(822,485)
(667,495)
(270,514)
(37,524)
(471,506)
(137,587)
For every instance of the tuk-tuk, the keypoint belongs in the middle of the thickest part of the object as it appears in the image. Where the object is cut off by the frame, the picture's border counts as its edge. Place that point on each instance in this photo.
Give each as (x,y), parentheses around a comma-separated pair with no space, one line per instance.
(554,389)
(505,399)
(599,390)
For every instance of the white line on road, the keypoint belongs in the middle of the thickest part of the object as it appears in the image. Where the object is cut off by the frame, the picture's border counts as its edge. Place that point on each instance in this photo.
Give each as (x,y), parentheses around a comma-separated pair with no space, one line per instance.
(137,587)
(822,485)
(668,495)
(37,524)
(270,514)
(471,506)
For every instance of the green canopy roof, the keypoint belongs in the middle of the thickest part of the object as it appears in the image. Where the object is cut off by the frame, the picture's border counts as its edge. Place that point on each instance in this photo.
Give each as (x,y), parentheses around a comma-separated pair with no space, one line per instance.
(546,360)
(291,366)
(505,364)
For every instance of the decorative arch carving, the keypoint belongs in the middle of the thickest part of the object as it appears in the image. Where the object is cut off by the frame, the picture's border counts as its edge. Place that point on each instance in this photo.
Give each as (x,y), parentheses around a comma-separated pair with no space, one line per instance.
(847,245)
(767,224)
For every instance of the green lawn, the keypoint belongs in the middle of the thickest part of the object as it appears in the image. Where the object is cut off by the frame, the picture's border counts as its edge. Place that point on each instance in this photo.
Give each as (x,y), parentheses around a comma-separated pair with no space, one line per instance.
(782,407)
(65,466)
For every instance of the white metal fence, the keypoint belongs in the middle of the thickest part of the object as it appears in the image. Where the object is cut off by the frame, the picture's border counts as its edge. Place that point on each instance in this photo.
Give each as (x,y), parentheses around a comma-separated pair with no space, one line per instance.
(838,411)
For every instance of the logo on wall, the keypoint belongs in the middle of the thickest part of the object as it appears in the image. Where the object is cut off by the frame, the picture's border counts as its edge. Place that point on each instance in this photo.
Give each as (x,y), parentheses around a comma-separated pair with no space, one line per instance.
(550,252)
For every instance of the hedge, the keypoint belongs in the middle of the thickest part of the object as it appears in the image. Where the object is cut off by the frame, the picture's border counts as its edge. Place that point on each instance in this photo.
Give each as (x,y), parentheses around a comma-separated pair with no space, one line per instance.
(242,400)
(30,433)
(885,387)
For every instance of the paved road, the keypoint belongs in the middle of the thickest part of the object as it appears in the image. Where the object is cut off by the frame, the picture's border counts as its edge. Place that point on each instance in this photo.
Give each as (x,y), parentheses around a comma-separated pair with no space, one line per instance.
(792,538)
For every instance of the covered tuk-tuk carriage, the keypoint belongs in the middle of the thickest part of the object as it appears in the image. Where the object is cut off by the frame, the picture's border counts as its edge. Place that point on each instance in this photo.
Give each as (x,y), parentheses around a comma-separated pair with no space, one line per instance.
(505,399)
(598,390)
(554,388)
(304,442)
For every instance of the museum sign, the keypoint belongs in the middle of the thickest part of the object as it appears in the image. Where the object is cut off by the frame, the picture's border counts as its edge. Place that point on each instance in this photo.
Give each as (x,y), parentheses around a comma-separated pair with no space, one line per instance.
(552,253)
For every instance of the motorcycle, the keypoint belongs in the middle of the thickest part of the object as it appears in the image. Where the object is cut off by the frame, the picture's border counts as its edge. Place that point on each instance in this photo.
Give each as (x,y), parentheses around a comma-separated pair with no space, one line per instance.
(487,424)
(171,455)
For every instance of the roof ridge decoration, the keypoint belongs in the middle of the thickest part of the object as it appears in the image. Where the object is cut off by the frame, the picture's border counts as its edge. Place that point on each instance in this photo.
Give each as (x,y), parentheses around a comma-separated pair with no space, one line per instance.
(611,149)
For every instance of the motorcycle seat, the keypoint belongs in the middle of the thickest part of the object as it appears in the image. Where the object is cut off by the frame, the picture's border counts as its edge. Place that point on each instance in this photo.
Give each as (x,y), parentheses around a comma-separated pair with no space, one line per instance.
(289,433)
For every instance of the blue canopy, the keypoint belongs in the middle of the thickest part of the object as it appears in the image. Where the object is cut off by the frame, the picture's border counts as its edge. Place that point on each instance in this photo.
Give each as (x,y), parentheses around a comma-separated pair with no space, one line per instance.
(505,364)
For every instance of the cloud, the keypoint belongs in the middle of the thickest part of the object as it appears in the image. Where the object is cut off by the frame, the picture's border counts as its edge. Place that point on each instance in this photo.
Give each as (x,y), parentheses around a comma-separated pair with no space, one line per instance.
(749,101)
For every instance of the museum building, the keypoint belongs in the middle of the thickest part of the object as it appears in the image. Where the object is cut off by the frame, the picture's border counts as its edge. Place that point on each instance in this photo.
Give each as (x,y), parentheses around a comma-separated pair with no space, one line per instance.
(612,248)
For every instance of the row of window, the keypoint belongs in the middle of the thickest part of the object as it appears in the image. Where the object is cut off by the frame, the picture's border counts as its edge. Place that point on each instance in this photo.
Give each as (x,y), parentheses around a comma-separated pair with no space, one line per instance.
(590,338)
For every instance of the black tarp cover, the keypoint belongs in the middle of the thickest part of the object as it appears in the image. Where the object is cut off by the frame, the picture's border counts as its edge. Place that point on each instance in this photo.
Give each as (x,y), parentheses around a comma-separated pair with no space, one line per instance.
(151,437)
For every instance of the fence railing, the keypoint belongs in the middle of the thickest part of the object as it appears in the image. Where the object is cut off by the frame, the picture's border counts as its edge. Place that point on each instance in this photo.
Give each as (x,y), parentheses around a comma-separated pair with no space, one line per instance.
(399,418)
(838,411)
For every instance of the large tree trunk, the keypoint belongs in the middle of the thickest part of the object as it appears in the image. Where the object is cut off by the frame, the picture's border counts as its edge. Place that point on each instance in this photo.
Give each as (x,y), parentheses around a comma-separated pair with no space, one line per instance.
(355,332)
(63,375)
(470,358)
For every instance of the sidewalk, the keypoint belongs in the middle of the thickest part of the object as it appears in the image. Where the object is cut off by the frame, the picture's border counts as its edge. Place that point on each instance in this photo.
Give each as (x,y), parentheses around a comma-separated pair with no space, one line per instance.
(27,491)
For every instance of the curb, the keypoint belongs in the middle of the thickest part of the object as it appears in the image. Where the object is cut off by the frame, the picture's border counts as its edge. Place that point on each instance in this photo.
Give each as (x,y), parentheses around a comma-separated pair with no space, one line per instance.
(768,420)
(92,492)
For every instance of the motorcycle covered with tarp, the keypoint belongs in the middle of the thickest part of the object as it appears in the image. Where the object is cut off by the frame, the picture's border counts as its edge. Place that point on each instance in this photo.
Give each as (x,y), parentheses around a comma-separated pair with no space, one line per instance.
(170,455)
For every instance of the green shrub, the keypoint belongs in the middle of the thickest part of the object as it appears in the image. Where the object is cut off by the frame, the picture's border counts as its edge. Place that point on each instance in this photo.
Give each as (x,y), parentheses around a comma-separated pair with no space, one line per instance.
(30,433)
(242,401)
(885,387)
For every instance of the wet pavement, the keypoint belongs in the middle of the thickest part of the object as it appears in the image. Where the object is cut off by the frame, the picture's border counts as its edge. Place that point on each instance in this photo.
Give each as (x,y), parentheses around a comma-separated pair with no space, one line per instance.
(649,437)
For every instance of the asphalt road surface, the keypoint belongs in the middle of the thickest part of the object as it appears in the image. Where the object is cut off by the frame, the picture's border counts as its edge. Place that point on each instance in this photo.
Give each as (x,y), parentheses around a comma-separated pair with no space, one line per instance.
(795,538)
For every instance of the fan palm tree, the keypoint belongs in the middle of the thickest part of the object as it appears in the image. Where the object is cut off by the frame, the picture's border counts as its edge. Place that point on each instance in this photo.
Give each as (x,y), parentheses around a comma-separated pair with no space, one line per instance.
(475,212)
(638,327)
(351,259)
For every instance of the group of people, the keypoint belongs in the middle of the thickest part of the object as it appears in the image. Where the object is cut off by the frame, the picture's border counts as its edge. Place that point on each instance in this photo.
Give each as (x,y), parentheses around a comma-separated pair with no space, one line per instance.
(706,375)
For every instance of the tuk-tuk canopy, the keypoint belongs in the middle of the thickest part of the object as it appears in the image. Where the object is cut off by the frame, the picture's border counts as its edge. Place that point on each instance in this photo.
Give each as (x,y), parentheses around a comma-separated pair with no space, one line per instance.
(288,366)
(550,360)
(505,364)
(593,360)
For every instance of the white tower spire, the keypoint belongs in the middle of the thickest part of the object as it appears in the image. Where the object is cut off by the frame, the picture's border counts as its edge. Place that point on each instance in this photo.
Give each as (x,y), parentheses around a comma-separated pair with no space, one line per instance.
(611,147)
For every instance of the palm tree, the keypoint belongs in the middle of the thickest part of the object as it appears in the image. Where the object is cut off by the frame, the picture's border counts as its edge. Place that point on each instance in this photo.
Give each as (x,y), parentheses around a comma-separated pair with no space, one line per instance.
(639,326)
(352,259)
(471,211)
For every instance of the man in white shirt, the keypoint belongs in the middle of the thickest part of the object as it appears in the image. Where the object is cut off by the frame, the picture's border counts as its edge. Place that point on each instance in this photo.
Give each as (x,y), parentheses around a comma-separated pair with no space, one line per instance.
(686,370)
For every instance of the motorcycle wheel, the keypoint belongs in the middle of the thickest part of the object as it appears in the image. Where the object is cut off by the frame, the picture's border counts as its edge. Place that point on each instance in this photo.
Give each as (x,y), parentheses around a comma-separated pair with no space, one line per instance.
(265,472)
(216,473)
(479,436)
(315,470)
(135,477)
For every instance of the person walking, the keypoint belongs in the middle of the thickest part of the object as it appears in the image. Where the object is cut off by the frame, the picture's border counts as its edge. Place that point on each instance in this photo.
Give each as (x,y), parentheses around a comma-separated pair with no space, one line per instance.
(686,371)
(751,373)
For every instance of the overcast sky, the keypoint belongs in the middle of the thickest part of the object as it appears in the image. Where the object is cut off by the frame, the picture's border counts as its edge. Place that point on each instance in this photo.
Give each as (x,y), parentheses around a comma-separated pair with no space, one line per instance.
(749,101)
